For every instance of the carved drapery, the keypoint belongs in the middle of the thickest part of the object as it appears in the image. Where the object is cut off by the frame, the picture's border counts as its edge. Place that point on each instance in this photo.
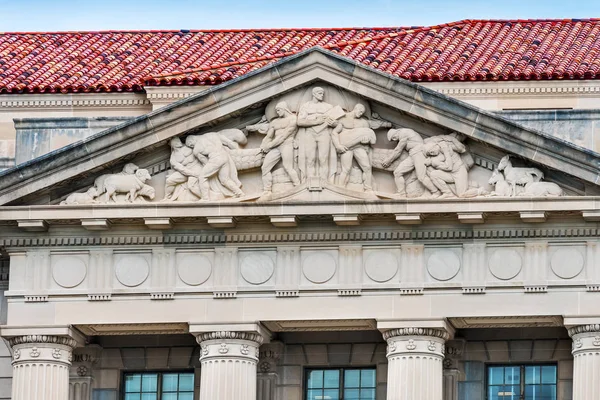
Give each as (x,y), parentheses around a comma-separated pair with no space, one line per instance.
(229,365)
(41,367)
(415,363)
(586,361)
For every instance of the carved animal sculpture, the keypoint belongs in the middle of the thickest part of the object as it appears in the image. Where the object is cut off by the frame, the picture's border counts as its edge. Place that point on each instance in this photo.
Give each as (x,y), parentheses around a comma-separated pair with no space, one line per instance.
(542,189)
(131,185)
(518,176)
(501,187)
(87,197)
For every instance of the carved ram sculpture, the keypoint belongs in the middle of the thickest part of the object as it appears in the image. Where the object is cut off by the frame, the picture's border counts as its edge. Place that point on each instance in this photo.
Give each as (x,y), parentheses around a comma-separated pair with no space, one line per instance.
(133,185)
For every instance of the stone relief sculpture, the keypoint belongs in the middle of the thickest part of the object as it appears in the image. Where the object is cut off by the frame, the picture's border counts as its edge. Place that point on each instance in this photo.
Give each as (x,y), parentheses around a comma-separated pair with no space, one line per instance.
(316,138)
(518,176)
(353,138)
(523,182)
(317,117)
(278,145)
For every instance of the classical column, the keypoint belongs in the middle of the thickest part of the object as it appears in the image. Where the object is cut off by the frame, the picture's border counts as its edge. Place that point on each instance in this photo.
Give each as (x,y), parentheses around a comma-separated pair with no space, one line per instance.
(228,364)
(586,361)
(41,367)
(268,361)
(415,363)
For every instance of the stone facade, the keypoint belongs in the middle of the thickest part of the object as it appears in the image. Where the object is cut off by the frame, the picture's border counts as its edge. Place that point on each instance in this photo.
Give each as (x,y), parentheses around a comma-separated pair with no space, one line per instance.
(316,215)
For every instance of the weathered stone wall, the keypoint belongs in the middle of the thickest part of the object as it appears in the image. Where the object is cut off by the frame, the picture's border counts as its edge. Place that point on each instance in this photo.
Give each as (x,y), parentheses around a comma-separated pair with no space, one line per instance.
(581,127)
(39,136)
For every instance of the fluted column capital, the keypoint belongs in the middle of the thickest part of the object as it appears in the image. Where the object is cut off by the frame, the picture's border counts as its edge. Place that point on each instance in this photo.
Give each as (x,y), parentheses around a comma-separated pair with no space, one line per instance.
(414,331)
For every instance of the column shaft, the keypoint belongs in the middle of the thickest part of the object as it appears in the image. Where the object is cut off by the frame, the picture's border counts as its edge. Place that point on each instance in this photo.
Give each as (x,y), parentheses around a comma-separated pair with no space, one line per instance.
(415,363)
(41,367)
(228,365)
(586,361)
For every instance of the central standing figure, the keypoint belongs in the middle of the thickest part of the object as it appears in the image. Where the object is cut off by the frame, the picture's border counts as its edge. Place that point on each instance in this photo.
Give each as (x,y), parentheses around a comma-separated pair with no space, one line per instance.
(317,140)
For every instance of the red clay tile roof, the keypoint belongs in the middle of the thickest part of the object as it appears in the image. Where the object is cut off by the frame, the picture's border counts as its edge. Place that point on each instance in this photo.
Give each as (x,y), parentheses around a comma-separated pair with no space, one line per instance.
(473,50)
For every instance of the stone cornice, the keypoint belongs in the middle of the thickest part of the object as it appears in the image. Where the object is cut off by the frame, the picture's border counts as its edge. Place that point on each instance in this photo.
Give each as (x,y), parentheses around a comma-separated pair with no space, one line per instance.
(62,101)
(42,339)
(432,332)
(230,335)
(590,328)
(513,89)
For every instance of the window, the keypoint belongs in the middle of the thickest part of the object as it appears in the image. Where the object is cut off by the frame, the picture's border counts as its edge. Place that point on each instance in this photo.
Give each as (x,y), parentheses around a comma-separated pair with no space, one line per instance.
(341,384)
(521,382)
(159,386)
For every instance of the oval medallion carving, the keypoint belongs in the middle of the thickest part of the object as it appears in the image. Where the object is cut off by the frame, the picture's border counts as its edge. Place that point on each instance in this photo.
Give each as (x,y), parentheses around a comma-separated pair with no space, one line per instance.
(381,266)
(257,268)
(505,264)
(69,272)
(132,270)
(194,269)
(567,263)
(443,265)
(319,267)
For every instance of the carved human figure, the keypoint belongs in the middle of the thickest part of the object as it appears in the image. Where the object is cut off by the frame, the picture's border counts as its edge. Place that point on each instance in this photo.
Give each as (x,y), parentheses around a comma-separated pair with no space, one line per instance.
(210,150)
(443,155)
(187,171)
(412,142)
(353,138)
(317,140)
(278,145)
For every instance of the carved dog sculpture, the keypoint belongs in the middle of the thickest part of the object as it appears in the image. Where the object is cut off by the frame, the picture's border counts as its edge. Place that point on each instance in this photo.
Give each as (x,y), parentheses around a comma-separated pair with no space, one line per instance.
(87,197)
(518,176)
(542,189)
(131,185)
(501,187)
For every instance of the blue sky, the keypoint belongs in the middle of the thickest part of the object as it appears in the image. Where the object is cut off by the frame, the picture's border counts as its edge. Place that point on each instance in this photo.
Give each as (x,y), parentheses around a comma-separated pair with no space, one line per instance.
(53,15)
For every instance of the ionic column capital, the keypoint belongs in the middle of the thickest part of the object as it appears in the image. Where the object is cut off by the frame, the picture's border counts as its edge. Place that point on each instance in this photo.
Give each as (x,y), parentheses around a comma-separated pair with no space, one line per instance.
(42,339)
(579,329)
(229,345)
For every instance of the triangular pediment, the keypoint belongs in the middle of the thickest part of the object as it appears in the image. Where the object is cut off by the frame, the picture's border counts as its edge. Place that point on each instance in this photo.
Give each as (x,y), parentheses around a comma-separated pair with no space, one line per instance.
(444,137)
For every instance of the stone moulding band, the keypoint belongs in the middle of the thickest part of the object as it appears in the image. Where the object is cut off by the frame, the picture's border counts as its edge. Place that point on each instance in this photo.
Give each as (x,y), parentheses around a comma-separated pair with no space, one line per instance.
(35,339)
(226,335)
(591,328)
(345,236)
(432,332)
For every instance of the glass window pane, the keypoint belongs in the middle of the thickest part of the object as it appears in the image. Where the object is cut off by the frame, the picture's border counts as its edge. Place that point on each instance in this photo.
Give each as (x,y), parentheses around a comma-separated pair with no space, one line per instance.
(186,396)
(367,394)
(352,394)
(496,375)
(315,379)
(186,382)
(532,375)
(132,396)
(549,392)
(367,378)
(352,378)
(169,396)
(331,378)
(512,375)
(314,394)
(331,394)
(133,382)
(169,382)
(149,383)
(149,396)
(549,374)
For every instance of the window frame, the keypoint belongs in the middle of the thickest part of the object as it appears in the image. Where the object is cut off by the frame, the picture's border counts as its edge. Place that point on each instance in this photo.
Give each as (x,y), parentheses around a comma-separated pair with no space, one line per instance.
(160,373)
(341,369)
(522,367)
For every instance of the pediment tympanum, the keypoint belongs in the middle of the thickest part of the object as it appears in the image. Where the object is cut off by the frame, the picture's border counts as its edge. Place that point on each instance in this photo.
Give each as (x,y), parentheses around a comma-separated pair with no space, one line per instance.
(317,139)
(329,130)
